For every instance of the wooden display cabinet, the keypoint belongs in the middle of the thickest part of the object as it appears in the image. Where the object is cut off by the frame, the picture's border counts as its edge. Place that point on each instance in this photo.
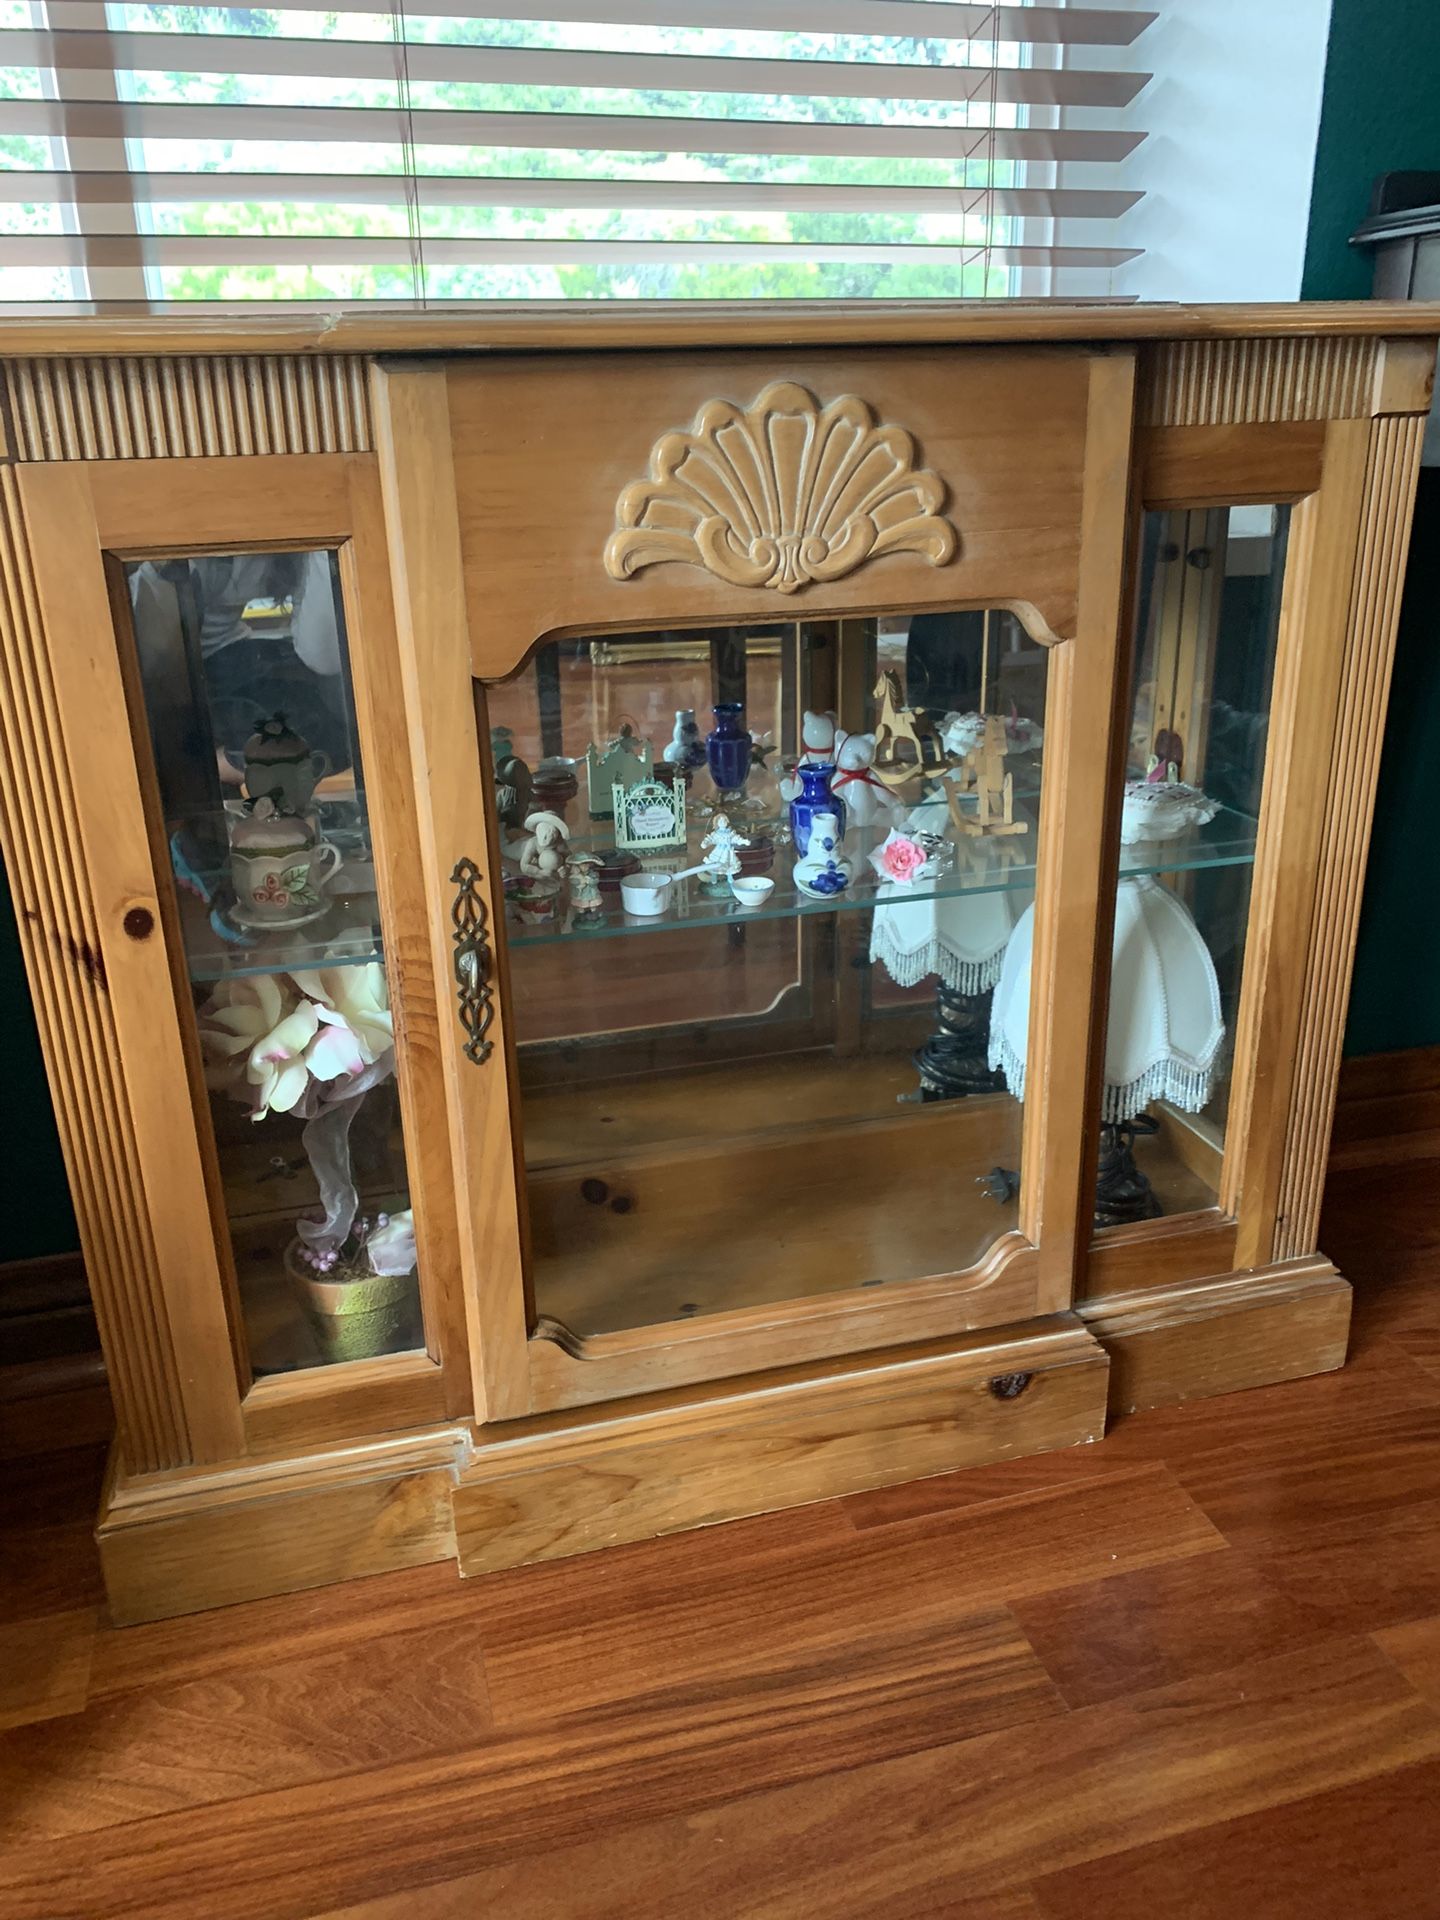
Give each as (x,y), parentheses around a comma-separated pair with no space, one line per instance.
(688,1241)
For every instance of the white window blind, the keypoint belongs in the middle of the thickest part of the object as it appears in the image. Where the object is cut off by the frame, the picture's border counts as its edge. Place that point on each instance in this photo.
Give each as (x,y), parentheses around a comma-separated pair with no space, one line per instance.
(154,156)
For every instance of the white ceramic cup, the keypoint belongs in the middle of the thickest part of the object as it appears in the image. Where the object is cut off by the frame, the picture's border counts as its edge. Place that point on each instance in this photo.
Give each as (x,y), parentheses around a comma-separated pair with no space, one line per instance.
(647,894)
(751,890)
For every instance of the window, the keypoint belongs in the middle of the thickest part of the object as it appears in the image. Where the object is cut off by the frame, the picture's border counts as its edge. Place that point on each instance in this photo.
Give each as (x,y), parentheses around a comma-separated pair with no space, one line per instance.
(571,149)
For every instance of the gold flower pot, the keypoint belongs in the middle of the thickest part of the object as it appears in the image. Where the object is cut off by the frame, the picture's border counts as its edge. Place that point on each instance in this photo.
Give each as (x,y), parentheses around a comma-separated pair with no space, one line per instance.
(355,1317)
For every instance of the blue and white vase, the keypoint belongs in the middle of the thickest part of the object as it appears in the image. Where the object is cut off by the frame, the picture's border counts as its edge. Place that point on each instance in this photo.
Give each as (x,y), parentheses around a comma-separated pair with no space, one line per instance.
(824,871)
(686,749)
(814,797)
(727,747)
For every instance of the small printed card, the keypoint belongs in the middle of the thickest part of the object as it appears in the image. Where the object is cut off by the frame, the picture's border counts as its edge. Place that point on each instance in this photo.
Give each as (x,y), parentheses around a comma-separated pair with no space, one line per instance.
(649,816)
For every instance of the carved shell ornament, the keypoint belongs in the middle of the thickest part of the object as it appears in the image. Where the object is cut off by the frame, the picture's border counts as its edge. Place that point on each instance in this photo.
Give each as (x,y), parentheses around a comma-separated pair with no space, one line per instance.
(781,494)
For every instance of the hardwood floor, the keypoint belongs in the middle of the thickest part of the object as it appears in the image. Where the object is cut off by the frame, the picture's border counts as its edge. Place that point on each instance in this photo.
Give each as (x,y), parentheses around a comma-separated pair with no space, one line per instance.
(1193,1671)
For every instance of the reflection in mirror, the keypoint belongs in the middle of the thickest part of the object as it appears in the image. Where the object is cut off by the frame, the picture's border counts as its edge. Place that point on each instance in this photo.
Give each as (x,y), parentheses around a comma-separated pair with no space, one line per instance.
(1204,664)
(244,679)
(759,885)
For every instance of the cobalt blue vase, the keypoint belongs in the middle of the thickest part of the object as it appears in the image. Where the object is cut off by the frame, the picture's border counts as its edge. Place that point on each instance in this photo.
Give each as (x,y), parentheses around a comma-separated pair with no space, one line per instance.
(727,747)
(814,797)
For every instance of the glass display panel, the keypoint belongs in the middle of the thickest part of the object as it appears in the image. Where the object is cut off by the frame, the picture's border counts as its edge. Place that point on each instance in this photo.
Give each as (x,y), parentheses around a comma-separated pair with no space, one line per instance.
(1204,665)
(767,1076)
(244,679)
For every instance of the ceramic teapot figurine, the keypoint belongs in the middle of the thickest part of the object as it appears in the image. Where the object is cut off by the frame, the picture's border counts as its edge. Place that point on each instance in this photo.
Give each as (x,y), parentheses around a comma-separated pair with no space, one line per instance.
(281,767)
(278,868)
(824,871)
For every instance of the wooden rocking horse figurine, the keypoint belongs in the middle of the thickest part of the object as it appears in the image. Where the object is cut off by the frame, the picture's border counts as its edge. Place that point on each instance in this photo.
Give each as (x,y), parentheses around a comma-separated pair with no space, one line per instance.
(982,772)
(897,725)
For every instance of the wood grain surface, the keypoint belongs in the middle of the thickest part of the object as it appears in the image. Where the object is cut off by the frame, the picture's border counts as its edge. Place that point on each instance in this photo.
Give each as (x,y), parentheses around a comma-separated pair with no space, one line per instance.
(539,325)
(1191,1669)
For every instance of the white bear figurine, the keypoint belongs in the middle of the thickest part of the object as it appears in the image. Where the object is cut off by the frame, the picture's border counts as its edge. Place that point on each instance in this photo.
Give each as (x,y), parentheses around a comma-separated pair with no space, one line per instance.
(817,747)
(866,800)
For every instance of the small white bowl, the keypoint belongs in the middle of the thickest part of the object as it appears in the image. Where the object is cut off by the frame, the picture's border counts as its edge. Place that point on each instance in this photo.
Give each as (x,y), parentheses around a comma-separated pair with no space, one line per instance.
(752,890)
(647,894)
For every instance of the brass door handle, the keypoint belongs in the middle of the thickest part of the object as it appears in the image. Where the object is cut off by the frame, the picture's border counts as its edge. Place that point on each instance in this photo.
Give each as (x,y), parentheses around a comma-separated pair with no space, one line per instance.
(473,993)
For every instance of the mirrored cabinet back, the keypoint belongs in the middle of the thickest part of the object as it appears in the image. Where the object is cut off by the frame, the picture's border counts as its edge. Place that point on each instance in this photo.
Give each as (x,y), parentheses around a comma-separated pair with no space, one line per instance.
(640,916)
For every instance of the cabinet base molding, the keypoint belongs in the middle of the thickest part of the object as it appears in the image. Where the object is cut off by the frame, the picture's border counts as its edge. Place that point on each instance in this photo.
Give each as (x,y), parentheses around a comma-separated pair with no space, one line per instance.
(180,1542)
(570,1483)
(1207,1337)
(752,1447)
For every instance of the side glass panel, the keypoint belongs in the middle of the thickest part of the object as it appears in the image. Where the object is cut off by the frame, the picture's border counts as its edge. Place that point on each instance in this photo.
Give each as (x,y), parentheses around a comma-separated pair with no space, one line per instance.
(769,1077)
(244,675)
(1204,664)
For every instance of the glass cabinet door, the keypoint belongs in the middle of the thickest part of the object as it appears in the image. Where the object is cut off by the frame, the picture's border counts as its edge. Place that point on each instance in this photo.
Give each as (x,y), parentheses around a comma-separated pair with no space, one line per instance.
(1203,669)
(759,885)
(244,679)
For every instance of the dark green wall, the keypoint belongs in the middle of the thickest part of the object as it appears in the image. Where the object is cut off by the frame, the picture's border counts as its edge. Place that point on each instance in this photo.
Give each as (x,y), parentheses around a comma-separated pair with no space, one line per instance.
(35,1214)
(1381,112)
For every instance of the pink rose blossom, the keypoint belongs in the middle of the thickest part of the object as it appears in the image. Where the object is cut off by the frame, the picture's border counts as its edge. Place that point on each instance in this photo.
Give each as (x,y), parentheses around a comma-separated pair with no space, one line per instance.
(900,859)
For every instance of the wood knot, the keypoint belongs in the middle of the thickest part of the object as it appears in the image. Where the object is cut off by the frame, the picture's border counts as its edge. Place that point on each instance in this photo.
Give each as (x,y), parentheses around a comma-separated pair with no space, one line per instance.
(1010,1386)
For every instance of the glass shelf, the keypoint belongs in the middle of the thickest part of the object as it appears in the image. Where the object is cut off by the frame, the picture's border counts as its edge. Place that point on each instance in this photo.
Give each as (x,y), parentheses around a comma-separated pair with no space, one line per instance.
(983,865)
(217,947)
(347,935)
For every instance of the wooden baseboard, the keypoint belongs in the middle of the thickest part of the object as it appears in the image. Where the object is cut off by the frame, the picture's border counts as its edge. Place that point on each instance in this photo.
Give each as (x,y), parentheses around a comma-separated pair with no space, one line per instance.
(45,1310)
(1387,1109)
(1218,1336)
(751,1447)
(47,1406)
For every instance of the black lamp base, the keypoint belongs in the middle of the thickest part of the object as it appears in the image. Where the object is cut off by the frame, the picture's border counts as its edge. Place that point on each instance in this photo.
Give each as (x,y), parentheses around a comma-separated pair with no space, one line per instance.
(952,1063)
(1122,1193)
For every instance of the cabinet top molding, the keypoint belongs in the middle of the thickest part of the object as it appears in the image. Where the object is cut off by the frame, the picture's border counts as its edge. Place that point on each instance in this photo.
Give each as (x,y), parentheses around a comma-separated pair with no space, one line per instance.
(570,328)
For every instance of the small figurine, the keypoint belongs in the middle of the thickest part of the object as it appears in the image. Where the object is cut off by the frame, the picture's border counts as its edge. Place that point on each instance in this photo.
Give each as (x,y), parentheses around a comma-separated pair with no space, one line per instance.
(866,799)
(721,846)
(513,783)
(900,726)
(983,772)
(824,871)
(686,748)
(817,748)
(623,762)
(542,855)
(762,745)
(586,905)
